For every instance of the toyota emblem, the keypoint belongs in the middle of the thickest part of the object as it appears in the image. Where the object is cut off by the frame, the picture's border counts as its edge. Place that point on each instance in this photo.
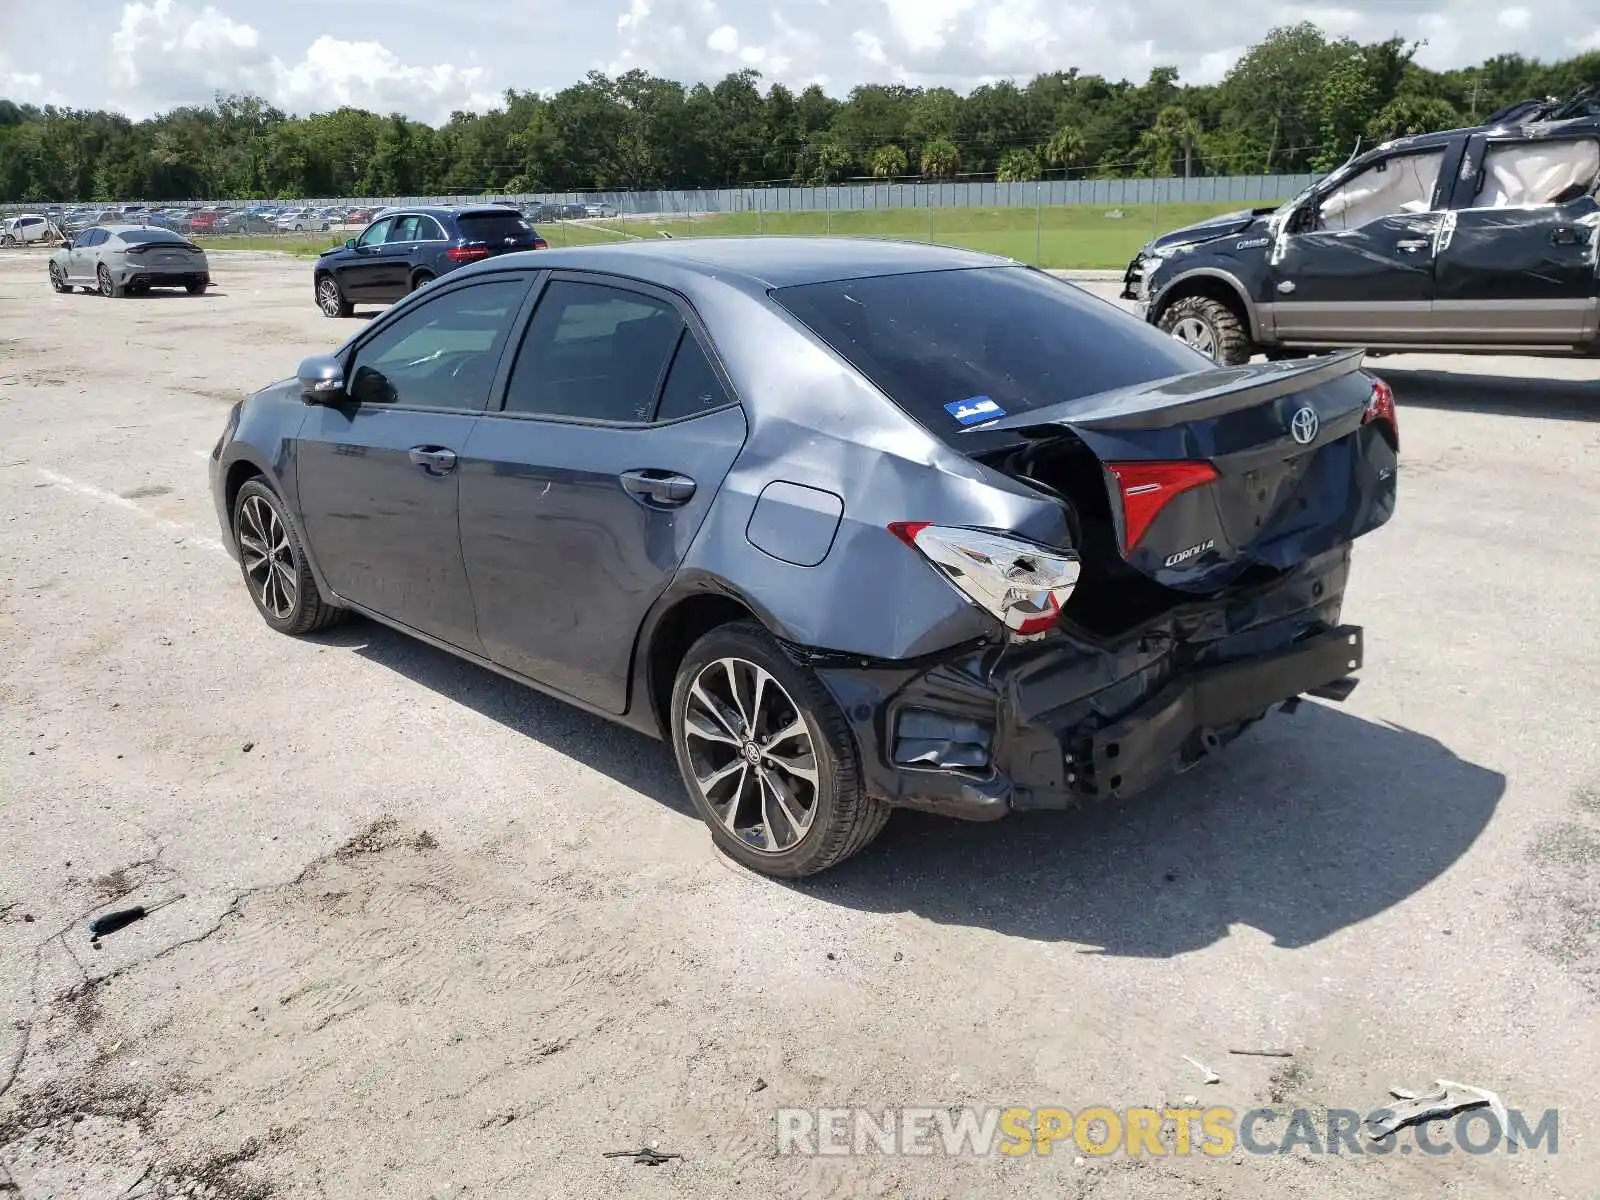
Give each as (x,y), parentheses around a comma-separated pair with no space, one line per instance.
(1303,425)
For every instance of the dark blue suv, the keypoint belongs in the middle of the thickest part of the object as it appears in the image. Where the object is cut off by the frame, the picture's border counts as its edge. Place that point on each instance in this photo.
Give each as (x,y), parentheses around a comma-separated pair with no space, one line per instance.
(404,248)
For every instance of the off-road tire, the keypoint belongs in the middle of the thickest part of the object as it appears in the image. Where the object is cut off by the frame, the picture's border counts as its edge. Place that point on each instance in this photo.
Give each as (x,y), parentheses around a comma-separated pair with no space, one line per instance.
(1228,332)
(845,819)
(309,612)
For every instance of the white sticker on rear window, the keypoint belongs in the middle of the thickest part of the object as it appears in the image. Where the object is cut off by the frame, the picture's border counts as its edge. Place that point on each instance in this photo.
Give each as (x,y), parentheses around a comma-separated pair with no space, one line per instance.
(974,409)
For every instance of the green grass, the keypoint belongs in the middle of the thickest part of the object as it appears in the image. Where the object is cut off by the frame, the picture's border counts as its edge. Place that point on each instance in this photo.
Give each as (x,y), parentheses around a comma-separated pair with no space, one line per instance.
(1064,236)
(1082,236)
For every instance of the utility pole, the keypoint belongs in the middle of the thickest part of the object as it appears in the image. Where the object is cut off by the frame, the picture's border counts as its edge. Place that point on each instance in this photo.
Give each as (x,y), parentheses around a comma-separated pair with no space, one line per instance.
(1474,100)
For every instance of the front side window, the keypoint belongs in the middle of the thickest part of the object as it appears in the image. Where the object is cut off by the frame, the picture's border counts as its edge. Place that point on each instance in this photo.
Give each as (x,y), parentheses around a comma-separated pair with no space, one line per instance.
(441,353)
(375,233)
(593,352)
(1403,183)
(1523,173)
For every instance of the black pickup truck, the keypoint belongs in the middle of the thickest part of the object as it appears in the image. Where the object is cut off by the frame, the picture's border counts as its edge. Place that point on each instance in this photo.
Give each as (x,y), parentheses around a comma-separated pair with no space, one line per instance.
(1470,240)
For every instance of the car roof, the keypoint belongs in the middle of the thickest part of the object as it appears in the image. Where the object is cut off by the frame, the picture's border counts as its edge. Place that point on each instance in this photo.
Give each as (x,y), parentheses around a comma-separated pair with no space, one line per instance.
(764,262)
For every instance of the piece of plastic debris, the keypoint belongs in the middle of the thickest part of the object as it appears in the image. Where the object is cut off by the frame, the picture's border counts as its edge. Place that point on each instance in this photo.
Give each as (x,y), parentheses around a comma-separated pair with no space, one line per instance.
(646,1155)
(1211,1076)
(1446,1099)
(123,917)
(760,1085)
(1265,1053)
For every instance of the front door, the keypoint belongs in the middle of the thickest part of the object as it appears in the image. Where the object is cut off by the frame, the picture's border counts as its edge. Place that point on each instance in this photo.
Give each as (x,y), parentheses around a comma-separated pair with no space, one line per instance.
(1362,271)
(1516,261)
(362,275)
(377,472)
(581,497)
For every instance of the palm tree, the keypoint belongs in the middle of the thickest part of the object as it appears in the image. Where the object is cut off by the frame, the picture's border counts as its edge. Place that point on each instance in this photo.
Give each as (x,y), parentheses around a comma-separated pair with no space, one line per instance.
(889,163)
(1065,147)
(940,158)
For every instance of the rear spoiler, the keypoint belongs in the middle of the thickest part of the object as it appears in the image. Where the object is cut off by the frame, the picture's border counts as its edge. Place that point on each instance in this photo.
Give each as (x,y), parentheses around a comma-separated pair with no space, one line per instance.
(1161,403)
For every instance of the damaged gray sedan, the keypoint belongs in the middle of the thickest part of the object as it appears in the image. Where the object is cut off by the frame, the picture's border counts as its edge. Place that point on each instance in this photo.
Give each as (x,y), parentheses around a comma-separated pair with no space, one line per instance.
(854,525)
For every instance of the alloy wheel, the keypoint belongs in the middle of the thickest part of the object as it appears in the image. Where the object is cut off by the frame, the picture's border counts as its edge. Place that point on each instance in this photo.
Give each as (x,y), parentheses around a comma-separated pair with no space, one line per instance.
(751,754)
(57,279)
(328,298)
(268,558)
(104,277)
(1192,331)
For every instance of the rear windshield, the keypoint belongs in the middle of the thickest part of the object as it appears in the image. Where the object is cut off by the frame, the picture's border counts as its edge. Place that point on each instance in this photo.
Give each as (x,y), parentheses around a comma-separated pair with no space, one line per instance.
(493,226)
(136,237)
(957,348)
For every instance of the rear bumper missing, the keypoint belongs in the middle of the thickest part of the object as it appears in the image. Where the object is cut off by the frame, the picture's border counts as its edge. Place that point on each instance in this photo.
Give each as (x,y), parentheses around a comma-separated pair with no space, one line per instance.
(991,729)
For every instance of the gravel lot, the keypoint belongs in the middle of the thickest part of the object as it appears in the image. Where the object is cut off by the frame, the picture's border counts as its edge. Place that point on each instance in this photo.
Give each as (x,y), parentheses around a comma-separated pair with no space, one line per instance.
(445,937)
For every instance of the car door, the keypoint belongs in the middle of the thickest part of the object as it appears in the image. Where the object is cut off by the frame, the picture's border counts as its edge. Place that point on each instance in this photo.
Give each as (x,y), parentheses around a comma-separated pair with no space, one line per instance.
(360,274)
(376,471)
(400,250)
(581,494)
(81,260)
(1361,271)
(1515,257)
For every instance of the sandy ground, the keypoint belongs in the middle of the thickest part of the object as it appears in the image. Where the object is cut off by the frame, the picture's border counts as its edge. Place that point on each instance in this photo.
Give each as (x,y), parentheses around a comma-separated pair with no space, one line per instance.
(445,937)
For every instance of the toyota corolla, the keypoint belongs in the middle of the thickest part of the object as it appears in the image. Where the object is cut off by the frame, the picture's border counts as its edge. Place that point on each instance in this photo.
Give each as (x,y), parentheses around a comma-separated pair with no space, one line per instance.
(853,525)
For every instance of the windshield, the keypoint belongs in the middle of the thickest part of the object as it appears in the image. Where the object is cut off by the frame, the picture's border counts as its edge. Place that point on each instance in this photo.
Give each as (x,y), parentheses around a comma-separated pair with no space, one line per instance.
(957,348)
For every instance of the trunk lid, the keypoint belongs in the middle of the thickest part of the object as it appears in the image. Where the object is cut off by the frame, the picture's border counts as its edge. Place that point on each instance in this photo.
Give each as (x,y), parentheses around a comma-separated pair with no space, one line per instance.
(1206,476)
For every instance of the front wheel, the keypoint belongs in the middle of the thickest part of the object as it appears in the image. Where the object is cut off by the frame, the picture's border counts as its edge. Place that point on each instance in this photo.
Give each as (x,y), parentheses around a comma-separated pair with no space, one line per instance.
(58,279)
(1210,327)
(196,289)
(274,564)
(331,300)
(767,758)
(8,240)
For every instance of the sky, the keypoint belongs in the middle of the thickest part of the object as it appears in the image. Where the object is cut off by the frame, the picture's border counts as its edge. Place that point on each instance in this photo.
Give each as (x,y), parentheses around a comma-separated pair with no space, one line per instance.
(427,58)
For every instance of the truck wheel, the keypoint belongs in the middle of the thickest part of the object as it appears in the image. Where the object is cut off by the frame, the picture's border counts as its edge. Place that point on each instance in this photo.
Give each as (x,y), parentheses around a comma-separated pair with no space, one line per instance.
(1210,327)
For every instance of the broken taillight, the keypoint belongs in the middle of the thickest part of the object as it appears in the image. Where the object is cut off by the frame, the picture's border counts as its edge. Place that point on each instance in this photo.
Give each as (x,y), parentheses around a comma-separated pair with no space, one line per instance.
(1145,488)
(1021,584)
(1380,407)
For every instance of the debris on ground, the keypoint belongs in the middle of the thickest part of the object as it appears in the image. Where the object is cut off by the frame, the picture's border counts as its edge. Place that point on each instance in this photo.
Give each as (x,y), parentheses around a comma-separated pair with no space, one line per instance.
(760,1085)
(1265,1053)
(1445,1100)
(1211,1076)
(123,917)
(645,1155)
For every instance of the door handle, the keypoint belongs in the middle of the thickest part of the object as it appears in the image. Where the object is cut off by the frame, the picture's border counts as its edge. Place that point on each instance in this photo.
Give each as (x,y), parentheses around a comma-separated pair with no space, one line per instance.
(663,488)
(436,460)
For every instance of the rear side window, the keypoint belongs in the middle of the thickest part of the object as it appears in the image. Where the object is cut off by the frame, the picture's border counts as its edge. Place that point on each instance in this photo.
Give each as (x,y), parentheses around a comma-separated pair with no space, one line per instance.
(593,352)
(493,226)
(692,387)
(941,343)
(405,229)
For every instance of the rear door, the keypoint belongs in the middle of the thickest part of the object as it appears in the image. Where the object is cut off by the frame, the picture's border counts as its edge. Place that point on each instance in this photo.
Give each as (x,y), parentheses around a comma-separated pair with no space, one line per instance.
(377,473)
(581,495)
(1515,258)
(1361,272)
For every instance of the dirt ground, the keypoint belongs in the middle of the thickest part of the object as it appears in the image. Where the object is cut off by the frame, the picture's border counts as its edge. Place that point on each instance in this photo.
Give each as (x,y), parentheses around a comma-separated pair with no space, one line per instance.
(443,937)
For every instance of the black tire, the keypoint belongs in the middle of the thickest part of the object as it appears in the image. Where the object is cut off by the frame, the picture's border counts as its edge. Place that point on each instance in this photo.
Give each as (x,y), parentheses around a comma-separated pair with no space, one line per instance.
(1221,325)
(306,611)
(843,819)
(58,280)
(196,289)
(108,287)
(330,298)
(421,278)
(8,240)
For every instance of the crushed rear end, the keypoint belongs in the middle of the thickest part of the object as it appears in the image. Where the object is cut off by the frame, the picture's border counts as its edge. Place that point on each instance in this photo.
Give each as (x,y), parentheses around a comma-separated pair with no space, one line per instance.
(1212,517)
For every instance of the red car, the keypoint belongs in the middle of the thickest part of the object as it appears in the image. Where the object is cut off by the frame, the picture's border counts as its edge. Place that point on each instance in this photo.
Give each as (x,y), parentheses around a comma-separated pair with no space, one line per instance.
(203,220)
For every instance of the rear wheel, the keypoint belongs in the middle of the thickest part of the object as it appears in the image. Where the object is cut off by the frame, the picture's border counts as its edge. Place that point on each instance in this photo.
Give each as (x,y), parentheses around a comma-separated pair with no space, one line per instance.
(1210,327)
(767,757)
(420,279)
(274,564)
(196,289)
(330,299)
(108,286)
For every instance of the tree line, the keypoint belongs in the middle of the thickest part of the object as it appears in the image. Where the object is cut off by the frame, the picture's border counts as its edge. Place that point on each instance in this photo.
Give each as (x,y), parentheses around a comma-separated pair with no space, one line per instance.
(1296,101)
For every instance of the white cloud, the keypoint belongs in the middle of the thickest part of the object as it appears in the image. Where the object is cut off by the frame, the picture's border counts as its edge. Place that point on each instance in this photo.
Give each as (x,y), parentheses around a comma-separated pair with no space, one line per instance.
(164,53)
(1514,18)
(724,39)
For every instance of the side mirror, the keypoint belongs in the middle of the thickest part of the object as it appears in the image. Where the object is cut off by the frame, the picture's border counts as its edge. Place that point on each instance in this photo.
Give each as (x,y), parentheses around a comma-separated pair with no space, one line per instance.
(349,243)
(66,244)
(321,378)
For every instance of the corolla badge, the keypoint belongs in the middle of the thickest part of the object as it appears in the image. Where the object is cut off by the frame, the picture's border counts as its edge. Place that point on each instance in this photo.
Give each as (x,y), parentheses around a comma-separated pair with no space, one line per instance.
(1303,425)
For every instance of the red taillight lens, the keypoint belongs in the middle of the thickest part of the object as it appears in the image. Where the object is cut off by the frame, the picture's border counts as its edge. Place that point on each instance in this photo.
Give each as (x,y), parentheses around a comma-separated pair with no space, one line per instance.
(1380,407)
(465,254)
(1148,487)
(540,244)
(1021,584)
